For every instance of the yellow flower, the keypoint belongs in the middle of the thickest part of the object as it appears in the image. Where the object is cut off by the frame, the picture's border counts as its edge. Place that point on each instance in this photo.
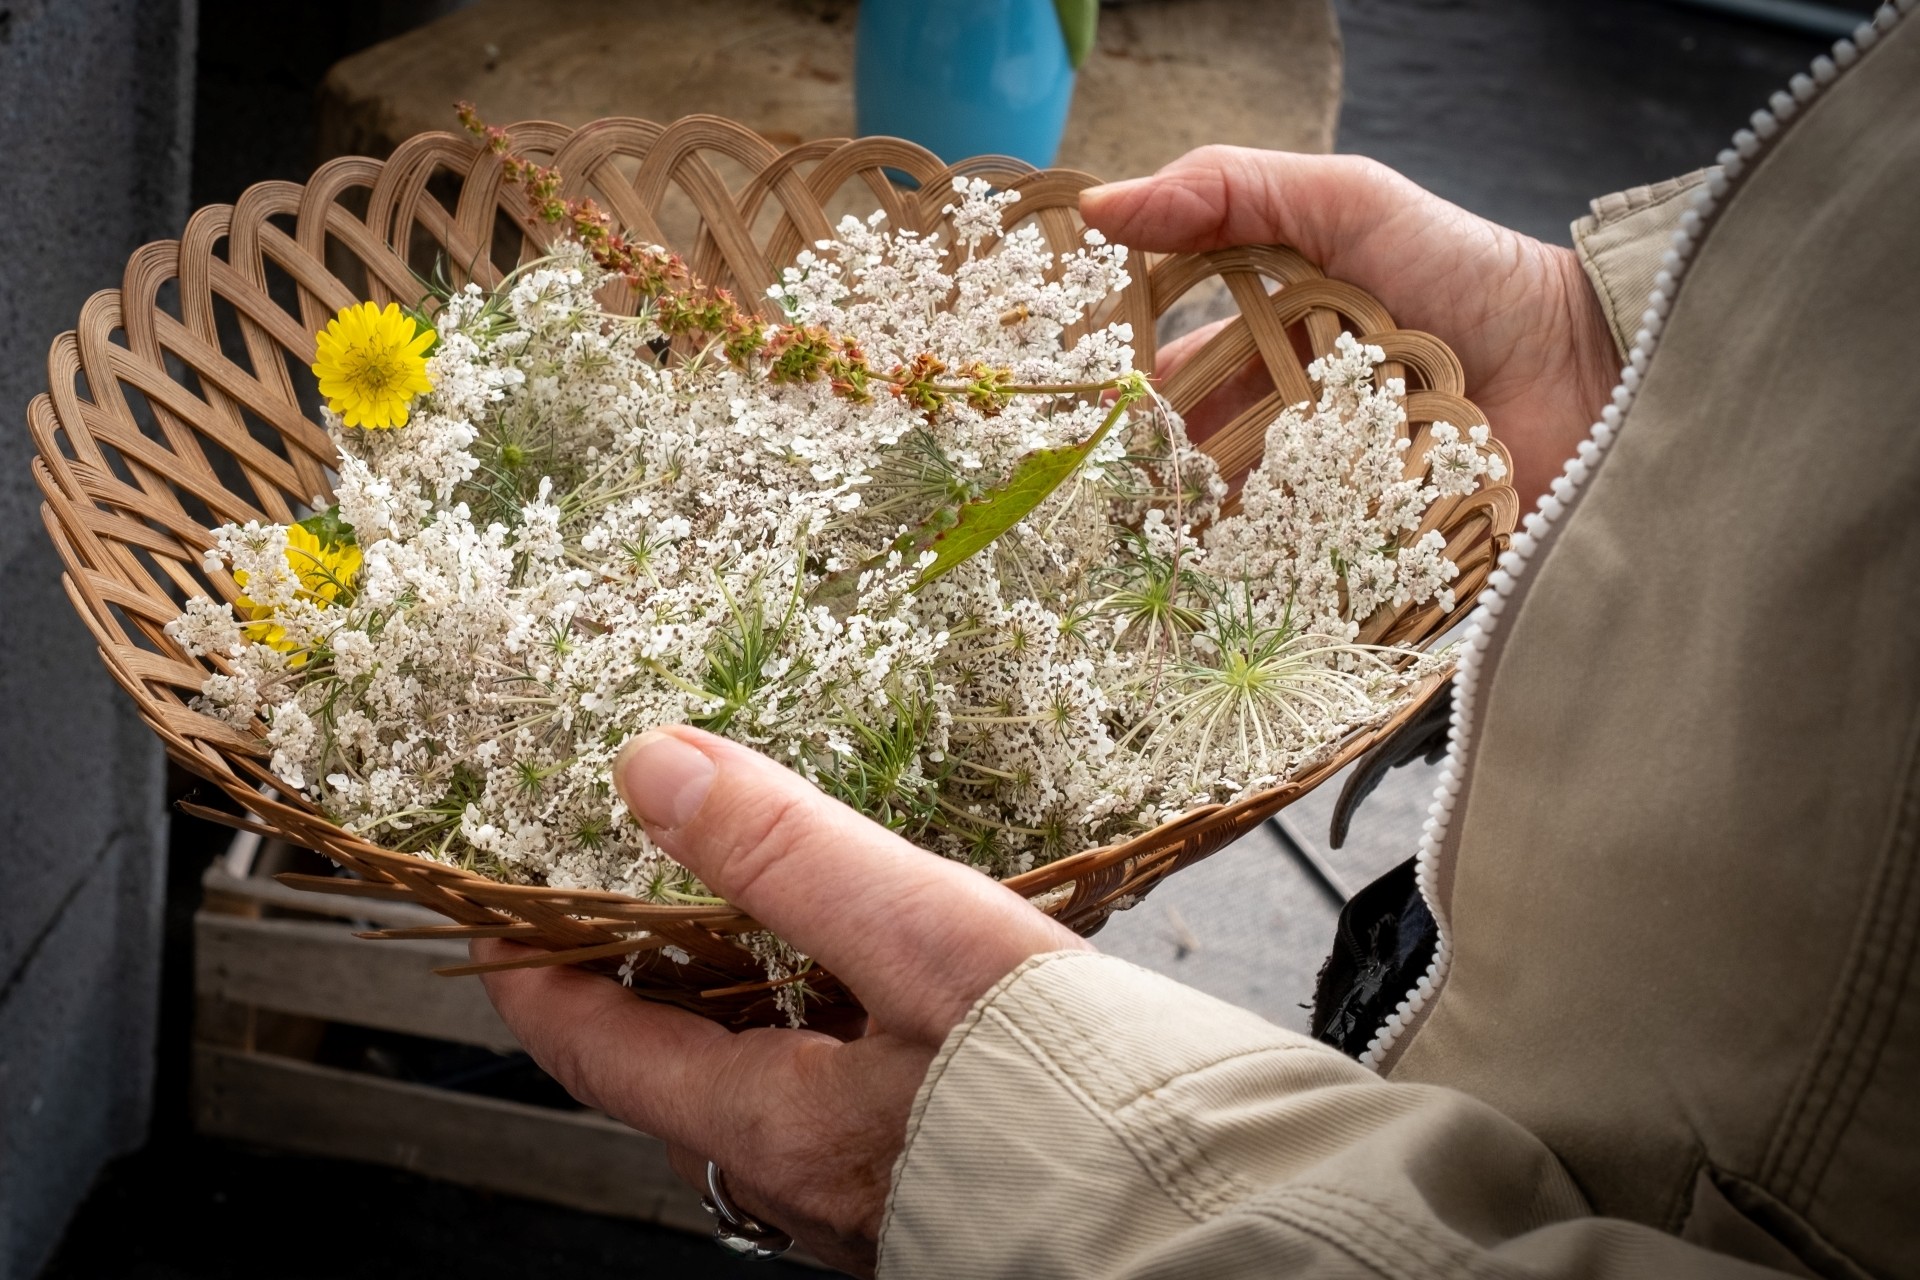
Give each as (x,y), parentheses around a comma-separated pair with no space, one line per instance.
(325,571)
(371,364)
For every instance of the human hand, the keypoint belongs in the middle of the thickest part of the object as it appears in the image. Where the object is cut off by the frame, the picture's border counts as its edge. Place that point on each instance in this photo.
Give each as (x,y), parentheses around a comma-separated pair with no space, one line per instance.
(805,1126)
(1521,315)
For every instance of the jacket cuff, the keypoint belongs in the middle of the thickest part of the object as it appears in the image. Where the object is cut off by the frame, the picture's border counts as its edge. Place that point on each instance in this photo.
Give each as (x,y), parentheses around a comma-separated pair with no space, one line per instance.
(1621,242)
(1066,1119)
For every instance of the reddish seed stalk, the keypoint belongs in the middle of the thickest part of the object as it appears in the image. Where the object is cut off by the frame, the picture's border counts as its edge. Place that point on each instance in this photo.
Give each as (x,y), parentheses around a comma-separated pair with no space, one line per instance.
(684,307)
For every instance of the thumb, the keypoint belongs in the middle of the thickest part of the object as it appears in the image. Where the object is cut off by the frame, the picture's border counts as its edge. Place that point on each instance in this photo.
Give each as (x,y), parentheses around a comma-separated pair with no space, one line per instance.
(1219,196)
(917,936)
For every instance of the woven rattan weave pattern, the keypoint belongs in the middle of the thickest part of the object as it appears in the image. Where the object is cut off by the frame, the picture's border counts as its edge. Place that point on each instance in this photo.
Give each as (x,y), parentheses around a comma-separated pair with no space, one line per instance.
(181,401)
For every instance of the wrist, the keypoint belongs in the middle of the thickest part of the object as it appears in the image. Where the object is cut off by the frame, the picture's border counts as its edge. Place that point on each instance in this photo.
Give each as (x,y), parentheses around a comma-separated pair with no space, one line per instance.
(1593,350)
(1571,386)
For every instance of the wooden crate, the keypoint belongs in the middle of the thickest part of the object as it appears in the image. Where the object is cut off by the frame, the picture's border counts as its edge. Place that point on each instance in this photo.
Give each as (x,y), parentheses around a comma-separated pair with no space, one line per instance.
(277,967)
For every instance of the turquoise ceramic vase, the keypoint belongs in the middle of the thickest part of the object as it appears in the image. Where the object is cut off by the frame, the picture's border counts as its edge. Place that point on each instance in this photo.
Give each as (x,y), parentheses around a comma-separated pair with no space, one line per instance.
(964,77)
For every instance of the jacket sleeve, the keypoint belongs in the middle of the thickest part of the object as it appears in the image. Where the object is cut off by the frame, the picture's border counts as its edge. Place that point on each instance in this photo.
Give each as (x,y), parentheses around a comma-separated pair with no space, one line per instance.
(1621,242)
(1092,1119)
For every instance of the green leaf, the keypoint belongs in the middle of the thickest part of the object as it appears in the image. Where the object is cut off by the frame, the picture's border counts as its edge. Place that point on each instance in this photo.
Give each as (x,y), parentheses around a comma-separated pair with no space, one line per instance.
(423,324)
(957,531)
(957,534)
(837,591)
(329,527)
(1078,21)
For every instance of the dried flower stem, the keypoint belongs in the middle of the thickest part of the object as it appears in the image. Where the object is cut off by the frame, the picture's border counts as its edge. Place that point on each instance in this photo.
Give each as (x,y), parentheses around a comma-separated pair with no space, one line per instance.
(681,306)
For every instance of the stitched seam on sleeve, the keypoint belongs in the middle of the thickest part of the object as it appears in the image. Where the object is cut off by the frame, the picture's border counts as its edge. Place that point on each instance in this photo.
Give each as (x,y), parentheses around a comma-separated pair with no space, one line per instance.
(1260,1051)
(1377,1229)
(1129,1090)
(1159,1124)
(1424,1244)
(936,1071)
(1610,209)
(1359,1238)
(1158,1127)
(1099,1065)
(1609,212)
(1165,1178)
(1156,1132)
(1293,1219)
(1165,1148)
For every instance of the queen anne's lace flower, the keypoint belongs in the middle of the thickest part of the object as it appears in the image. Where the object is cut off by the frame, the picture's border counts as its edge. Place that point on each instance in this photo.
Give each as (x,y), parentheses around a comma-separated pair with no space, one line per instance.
(576,538)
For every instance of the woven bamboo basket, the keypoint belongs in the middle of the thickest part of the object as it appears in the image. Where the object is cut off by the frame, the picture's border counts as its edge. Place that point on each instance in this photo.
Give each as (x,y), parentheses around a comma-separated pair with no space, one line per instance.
(181,401)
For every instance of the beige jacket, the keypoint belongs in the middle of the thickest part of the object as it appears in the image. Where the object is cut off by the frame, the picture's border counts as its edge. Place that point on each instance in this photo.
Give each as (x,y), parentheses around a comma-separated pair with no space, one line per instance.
(1680,1035)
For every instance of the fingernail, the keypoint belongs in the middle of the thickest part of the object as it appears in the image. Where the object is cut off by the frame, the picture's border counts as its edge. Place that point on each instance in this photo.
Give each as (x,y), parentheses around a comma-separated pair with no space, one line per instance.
(662,779)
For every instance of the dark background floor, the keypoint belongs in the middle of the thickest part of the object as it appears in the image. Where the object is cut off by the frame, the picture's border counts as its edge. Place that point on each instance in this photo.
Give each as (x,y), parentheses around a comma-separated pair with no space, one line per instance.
(1517,109)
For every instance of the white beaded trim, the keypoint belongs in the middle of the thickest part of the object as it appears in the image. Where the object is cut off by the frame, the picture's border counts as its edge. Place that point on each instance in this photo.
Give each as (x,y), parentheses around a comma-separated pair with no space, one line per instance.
(1762,127)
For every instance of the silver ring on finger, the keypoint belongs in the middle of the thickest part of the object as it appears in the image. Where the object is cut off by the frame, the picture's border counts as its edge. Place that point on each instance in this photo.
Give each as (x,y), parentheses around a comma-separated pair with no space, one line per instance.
(740,1233)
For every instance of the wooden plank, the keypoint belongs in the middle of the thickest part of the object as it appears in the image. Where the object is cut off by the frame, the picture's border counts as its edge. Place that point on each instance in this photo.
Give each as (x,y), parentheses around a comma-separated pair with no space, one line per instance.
(580,1159)
(269,893)
(319,969)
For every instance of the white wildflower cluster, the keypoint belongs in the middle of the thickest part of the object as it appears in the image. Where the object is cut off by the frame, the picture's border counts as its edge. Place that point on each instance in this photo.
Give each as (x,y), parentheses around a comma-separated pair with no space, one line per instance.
(1337,508)
(585,531)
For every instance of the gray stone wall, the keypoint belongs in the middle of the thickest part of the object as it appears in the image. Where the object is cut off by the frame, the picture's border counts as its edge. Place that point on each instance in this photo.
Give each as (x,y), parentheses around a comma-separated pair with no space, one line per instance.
(95,107)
